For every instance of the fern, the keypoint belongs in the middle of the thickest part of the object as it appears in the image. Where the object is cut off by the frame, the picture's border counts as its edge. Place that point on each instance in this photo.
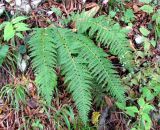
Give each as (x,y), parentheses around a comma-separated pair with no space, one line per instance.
(76,74)
(80,59)
(101,68)
(106,32)
(44,53)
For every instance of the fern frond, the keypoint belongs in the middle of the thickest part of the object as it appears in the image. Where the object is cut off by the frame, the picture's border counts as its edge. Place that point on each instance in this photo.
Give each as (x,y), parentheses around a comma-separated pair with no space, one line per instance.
(43,52)
(108,33)
(101,68)
(76,54)
(76,74)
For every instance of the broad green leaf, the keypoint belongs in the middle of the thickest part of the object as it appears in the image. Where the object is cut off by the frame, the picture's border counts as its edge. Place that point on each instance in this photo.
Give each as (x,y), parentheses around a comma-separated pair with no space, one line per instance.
(145,1)
(128,15)
(3,53)
(156,17)
(147,9)
(37,124)
(147,94)
(2,25)
(144,31)
(146,46)
(131,110)
(140,54)
(120,105)
(21,27)
(9,31)
(141,102)
(112,13)
(147,121)
(18,19)
(20,35)
(153,43)
(157,89)
(147,108)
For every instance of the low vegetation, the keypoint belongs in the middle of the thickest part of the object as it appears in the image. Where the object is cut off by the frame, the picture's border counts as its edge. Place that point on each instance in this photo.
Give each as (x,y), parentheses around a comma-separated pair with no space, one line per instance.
(94,66)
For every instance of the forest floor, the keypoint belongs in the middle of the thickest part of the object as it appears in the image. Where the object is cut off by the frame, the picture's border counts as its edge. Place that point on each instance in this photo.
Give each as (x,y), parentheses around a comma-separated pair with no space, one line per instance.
(142,19)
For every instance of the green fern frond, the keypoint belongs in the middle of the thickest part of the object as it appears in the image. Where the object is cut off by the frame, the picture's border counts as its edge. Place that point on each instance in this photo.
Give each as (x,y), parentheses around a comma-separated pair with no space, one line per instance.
(101,68)
(80,60)
(76,74)
(106,32)
(44,53)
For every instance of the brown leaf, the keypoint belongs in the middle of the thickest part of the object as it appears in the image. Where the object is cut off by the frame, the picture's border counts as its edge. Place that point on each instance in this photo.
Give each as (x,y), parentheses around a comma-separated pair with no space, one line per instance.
(108,101)
(136,8)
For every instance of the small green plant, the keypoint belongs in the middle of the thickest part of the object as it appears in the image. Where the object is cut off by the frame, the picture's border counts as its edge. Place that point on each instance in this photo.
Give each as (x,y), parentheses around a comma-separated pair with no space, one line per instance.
(63,117)
(14,28)
(147,8)
(37,124)
(141,113)
(15,94)
(147,80)
(147,43)
(11,30)
(128,16)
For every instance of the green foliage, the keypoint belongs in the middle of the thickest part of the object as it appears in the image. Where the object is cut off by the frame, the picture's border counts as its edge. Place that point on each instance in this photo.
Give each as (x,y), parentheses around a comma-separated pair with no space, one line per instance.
(63,117)
(16,94)
(128,16)
(101,69)
(147,8)
(146,1)
(156,18)
(57,11)
(107,33)
(77,55)
(44,53)
(3,53)
(147,80)
(37,124)
(14,28)
(60,118)
(79,59)
(142,113)
(144,31)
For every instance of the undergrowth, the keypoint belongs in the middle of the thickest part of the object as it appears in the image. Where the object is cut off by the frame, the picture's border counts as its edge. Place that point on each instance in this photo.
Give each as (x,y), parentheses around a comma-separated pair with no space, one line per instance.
(79,59)
(76,56)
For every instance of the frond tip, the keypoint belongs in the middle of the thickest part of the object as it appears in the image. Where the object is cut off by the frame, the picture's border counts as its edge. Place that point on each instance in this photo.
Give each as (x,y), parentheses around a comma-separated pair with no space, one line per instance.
(108,34)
